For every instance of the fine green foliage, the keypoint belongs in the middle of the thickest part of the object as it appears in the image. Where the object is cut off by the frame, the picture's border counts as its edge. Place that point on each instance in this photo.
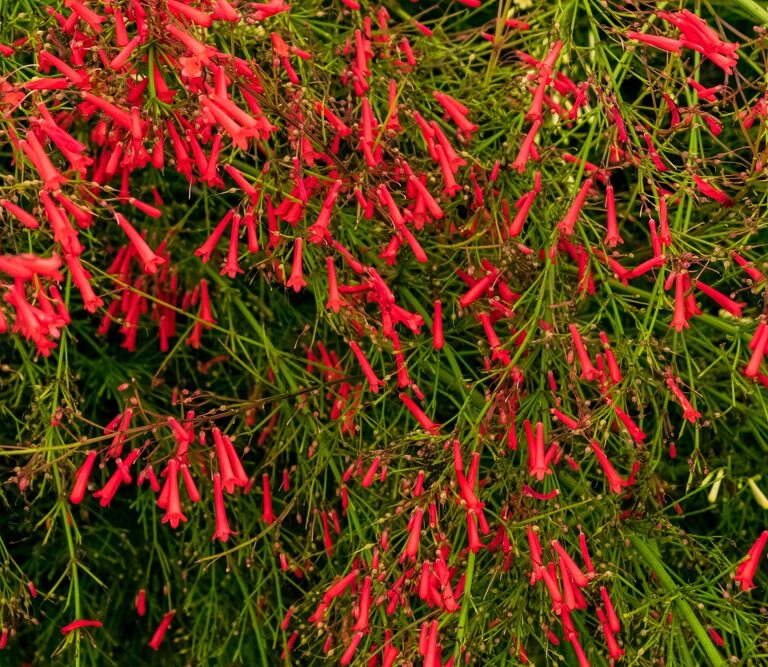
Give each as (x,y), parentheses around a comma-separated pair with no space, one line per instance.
(660,469)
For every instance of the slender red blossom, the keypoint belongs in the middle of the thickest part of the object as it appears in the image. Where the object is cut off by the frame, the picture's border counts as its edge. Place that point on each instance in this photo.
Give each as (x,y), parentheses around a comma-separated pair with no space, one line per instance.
(81,479)
(80,623)
(162,629)
(588,371)
(615,483)
(746,570)
(370,375)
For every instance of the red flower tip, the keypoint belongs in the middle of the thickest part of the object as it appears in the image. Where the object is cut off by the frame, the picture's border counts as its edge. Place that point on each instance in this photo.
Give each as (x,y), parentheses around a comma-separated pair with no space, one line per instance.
(80,623)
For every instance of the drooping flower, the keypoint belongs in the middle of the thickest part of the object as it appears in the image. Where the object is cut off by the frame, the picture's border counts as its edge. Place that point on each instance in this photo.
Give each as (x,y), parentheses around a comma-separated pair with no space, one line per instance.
(689,412)
(150,260)
(746,570)
(296,281)
(81,479)
(173,513)
(588,371)
(267,515)
(656,41)
(223,530)
(615,482)
(438,339)
(159,634)
(365,365)
(80,623)
(414,536)
(568,222)
(709,190)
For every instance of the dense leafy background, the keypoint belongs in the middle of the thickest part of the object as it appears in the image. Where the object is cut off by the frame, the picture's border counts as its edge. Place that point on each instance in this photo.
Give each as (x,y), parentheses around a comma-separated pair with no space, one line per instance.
(666,548)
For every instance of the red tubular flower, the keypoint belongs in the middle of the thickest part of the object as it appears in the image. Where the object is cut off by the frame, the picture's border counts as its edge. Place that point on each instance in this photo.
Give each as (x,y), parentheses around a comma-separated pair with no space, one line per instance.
(423,194)
(90,17)
(689,412)
(476,291)
(523,207)
(232,471)
(337,588)
(645,266)
(612,236)
(567,420)
(333,120)
(466,489)
(536,554)
(414,536)
(159,635)
(634,430)
(579,578)
(549,576)
(319,231)
(52,179)
(366,367)
(758,345)
(121,58)
(173,514)
(525,149)
(20,214)
(48,60)
(390,652)
(83,218)
(451,187)
(222,525)
(588,371)
(700,37)
(119,116)
(361,625)
(81,478)
(334,300)
(141,602)
(538,460)
(244,184)
(426,423)
(585,555)
(296,281)
(27,266)
(456,111)
(149,259)
(179,9)
(656,41)
(473,536)
(286,619)
(615,483)
(267,515)
(680,317)
(619,122)
(751,271)
(201,52)
(189,483)
(349,653)
(657,162)
(612,618)
(80,623)
(370,475)
(438,339)
(567,224)
(615,652)
(712,192)
(726,303)
(231,267)
(81,279)
(746,570)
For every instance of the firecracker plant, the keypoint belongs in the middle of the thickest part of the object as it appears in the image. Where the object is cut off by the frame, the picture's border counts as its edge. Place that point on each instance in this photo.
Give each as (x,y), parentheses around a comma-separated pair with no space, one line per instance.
(383,333)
